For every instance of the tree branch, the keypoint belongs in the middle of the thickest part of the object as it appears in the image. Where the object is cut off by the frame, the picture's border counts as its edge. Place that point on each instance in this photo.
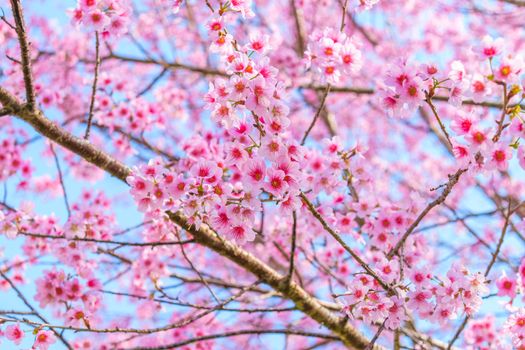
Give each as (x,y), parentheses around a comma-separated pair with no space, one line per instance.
(18,15)
(238,333)
(453,180)
(94,86)
(205,236)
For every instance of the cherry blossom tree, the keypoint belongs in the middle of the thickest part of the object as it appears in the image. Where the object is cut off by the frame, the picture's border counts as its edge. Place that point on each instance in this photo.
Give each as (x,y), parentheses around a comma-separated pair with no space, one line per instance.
(302,174)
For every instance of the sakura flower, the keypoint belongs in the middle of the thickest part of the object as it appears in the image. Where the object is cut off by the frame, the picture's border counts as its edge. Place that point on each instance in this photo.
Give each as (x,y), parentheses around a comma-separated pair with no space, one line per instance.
(478,138)
(43,340)
(205,169)
(241,233)
(290,203)
(215,25)
(97,20)
(489,48)
(272,148)
(420,301)
(259,100)
(479,88)
(461,153)
(457,72)
(222,44)
(517,128)
(351,59)
(506,286)
(462,123)
(255,172)
(396,313)
(243,6)
(236,154)
(14,333)
(500,158)
(515,326)
(276,184)
(259,43)
(444,313)
(509,69)
(88,5)
(223,113)
(77,317)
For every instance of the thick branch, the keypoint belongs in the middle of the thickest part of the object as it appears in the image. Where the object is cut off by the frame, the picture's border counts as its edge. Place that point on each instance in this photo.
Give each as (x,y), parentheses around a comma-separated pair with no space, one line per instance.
(16,6)
(205,236)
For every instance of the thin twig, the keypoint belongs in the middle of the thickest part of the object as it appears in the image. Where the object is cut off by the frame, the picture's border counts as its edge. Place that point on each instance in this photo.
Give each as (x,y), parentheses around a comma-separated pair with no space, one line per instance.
(238,333)
(195,306)
(370,91)
(33,310)
(428,99)
(61,178)
(182,323)
(153,82)
(370,345)
(323,100)
(356,257)
(94,86)
(121,243)
(503,114)
(342,27)
(197,271)
(299,28)
(2,17)
(453,180)
(292,253)
(487,271)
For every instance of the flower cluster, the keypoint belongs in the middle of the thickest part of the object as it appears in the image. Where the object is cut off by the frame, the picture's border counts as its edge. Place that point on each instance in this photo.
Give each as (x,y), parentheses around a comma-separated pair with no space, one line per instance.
(515,326)
(108,17)
(89,218)
(222,187)
(333,55)
(43,338)
(459,293)
(479,149)
(481,334)
(11,161)
(56,288)
(404,88)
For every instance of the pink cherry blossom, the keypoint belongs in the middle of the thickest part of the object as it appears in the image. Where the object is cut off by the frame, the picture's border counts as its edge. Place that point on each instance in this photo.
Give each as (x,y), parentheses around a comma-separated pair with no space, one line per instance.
(506,286)
(14,333)
(489,47)
(44,339)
